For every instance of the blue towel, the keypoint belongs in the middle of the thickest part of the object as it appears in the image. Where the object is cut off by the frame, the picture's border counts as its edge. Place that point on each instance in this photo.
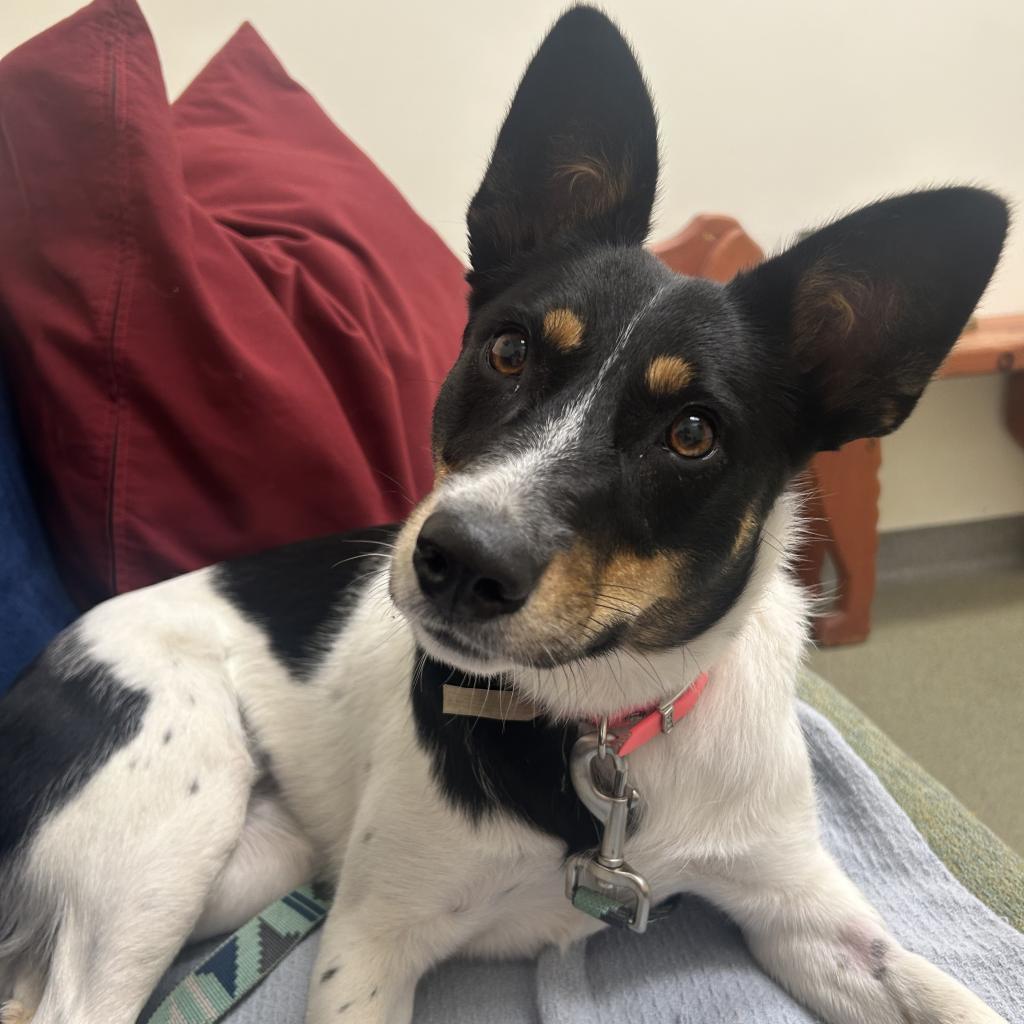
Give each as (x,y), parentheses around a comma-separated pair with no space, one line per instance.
(693,968)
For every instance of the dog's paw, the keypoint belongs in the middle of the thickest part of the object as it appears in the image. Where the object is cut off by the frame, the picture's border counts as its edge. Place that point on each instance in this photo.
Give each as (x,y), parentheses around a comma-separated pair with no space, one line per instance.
(14,1012)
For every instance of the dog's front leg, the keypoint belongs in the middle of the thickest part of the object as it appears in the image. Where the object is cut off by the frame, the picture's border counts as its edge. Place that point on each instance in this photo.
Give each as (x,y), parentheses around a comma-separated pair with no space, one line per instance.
(812,930)
(373,952)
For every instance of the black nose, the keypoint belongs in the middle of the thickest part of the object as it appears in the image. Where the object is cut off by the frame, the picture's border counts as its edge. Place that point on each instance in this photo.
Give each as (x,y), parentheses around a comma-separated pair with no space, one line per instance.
(473,570)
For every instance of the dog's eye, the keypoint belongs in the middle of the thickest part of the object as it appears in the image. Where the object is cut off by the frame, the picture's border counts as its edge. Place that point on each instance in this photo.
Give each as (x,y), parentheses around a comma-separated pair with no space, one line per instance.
(508,352)
(692,435)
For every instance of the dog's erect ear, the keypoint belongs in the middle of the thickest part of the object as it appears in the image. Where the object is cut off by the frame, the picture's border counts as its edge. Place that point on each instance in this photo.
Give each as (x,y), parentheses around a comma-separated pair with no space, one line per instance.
(870,305)
(578,152)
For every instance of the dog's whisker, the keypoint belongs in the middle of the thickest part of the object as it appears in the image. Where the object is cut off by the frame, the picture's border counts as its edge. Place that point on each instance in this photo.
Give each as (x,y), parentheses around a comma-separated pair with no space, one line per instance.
(401,487)
(356,558)
(650,598)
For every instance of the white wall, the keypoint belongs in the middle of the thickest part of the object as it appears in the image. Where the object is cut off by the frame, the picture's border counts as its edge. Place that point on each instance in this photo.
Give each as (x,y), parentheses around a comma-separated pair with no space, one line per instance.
(780,113)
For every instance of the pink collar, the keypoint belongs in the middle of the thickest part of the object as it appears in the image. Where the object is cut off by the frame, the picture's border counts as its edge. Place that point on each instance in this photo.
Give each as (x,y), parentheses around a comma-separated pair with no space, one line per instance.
(630,730)
(633,729)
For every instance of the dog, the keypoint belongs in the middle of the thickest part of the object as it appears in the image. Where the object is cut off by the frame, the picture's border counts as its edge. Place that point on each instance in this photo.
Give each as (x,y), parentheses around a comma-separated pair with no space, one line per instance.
(611,527)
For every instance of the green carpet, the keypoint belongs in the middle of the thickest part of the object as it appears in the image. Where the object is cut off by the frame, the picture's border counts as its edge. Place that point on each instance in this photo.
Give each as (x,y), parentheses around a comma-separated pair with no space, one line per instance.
(943,675)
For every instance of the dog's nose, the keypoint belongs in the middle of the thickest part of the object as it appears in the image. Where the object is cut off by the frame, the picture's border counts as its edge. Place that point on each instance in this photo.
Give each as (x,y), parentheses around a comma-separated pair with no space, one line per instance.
(473,571)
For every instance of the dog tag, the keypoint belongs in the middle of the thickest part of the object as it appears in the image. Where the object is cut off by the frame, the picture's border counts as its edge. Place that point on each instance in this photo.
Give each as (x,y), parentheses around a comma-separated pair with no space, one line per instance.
(601,883)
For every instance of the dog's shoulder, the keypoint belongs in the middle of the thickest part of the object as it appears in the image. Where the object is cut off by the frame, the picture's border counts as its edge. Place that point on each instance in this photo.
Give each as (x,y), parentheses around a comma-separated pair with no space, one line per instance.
(299,594)
(66,715)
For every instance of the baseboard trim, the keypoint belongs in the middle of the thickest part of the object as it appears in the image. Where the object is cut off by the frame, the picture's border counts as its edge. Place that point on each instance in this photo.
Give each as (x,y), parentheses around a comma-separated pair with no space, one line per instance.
(954,548)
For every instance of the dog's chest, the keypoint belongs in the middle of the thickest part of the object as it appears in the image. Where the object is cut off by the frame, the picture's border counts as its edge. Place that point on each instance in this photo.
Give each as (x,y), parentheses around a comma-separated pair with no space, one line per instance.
(519,884)
(516,778)
(522,770)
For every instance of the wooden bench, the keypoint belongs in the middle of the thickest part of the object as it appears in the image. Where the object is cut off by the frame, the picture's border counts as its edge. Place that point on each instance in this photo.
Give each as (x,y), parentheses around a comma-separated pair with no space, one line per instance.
(844,485)
(845,495)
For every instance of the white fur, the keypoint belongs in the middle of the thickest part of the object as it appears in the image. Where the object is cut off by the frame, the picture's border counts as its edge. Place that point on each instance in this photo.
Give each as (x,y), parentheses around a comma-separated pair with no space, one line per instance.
(136,862)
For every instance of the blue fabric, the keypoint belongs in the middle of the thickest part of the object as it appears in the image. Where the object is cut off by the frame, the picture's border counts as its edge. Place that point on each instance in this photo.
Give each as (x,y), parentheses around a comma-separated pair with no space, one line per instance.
(693,966)
(33,603)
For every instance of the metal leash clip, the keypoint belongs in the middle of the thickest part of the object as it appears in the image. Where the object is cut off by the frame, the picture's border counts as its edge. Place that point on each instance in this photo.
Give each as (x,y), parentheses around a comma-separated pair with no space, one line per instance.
(601,883)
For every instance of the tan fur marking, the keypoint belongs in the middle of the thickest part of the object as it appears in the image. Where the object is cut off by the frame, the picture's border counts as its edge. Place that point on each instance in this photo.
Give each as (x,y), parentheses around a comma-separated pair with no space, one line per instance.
(748,528)
(565,589)
(578,596)
(668,375)
(583,172)
(564,329)
(845,318)
(889,414)
(830,303)
(441,468)
(836,304)
(593,187)
(405,542)
(631,584)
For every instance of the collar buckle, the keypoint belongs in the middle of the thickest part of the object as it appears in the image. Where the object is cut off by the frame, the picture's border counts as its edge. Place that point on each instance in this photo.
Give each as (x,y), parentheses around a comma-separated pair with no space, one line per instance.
(660,719)
(668,716)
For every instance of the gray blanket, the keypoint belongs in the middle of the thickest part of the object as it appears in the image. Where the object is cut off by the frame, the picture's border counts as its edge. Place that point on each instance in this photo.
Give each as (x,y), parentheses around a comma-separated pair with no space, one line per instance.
(694,967)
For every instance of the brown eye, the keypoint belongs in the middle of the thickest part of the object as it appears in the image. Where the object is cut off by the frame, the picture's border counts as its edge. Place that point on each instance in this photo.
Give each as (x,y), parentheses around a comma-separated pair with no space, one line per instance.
(692,436)
(508,352)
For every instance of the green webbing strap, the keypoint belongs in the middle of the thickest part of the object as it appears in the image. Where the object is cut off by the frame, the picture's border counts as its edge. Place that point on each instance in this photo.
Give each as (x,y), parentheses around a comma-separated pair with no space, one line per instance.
(601,906)
(242,961)
(245,958)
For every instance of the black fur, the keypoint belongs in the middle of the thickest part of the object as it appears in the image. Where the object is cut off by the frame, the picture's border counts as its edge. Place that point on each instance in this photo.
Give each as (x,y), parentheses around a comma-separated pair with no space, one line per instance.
(64,718)
(866,309)
(482,764)
(298,594)
(577,154)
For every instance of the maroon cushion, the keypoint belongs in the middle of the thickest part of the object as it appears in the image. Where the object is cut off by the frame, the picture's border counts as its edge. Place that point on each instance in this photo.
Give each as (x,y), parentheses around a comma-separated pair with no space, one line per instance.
(225,328)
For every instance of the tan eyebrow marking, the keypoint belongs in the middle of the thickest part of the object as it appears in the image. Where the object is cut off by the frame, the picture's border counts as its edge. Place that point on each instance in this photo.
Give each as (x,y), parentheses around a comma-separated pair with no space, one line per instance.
(667,375)
(748,527)
(564,329)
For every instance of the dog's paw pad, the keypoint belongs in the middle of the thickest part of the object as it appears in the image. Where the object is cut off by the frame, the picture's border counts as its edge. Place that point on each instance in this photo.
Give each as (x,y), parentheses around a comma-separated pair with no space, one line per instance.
(13,1012)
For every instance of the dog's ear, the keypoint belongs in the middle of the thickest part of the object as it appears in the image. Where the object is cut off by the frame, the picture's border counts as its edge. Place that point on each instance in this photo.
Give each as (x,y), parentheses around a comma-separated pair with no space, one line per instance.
(869,306)
(577,154)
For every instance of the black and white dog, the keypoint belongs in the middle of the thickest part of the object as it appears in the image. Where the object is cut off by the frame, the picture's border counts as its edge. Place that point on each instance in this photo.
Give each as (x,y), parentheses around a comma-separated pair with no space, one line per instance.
(615,448)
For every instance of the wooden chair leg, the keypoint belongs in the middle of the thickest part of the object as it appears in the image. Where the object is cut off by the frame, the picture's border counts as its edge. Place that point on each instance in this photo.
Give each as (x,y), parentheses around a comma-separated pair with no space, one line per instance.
(1015,406)
(845,507)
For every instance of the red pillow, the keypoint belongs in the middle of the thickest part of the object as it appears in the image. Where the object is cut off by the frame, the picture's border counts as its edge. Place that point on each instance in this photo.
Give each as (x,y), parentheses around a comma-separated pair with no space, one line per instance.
(225,328)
